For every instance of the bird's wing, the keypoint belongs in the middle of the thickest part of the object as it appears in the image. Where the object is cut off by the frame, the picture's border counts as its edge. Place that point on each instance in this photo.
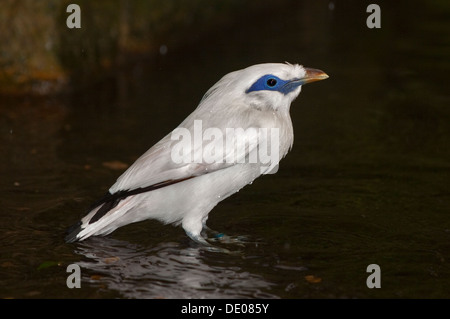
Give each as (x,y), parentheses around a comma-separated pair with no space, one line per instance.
(158,167)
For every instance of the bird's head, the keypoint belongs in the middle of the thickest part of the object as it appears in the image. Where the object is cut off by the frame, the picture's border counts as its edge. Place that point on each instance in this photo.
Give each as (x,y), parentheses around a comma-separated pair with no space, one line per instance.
(277,85)
(270,86)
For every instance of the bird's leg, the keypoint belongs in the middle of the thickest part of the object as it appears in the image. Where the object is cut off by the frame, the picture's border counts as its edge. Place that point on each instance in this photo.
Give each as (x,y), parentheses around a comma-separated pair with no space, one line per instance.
(215,234)
(193,230)
(206,245)
(198,239)
(223,238)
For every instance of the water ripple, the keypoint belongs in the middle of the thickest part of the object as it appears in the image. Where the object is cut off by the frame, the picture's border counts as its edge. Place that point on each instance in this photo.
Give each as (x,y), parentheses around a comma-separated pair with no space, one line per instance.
(165,271)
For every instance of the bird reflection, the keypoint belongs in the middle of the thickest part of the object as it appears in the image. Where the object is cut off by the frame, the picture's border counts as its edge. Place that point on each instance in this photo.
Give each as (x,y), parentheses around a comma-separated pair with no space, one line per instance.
(169,270)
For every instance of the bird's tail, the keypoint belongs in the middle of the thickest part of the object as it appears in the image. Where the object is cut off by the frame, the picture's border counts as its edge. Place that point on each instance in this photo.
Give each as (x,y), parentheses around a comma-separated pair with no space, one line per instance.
(72,232)
(102,218)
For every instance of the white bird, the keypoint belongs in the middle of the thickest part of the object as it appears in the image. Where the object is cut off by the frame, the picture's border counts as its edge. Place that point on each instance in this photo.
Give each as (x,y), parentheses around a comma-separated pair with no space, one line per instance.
(211,155)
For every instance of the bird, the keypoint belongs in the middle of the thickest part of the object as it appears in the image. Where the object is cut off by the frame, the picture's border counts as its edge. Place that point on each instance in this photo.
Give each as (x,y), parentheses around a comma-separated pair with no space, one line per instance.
(211,155)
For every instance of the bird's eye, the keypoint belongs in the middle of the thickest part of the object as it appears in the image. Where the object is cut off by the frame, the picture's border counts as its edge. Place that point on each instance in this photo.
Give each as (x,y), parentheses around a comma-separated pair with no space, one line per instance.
(271,82)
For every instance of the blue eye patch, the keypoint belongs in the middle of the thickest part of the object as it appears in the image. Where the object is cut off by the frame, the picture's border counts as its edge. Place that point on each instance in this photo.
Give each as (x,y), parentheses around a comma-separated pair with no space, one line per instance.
(271,82)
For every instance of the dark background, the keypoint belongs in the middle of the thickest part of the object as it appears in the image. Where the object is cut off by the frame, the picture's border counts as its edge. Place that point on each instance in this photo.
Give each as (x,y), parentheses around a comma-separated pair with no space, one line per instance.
(367,181)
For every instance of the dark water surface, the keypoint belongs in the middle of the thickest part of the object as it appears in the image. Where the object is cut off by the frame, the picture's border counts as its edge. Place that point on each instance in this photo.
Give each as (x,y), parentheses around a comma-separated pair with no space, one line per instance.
(367,182)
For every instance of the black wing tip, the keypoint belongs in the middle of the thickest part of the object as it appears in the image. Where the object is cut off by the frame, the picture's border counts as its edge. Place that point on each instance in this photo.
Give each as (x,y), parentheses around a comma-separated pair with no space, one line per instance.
(72,233)
(74,230)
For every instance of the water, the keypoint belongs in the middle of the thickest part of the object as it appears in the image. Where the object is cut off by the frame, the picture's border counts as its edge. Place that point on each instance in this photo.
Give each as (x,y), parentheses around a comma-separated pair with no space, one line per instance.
(366,182)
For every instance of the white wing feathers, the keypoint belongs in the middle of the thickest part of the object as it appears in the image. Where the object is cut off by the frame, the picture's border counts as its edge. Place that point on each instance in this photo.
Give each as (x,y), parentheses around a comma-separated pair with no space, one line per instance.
(160,164)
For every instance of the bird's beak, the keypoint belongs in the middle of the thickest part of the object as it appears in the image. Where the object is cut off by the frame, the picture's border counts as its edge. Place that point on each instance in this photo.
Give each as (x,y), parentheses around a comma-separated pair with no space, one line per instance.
(313,75)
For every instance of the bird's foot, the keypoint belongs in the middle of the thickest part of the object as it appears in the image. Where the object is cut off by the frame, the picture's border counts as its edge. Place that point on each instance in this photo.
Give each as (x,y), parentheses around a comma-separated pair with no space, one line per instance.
(216,236)
(211,233)
(206,245)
